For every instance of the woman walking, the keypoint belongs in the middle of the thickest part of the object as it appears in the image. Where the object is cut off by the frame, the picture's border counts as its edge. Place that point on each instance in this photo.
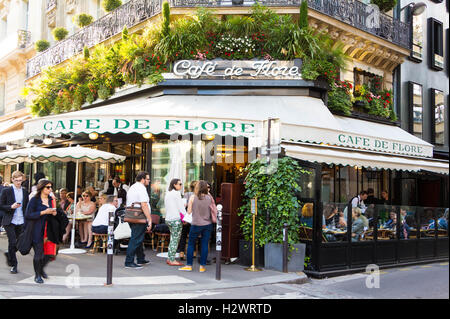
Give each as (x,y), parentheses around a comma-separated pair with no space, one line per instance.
(200,207)
(174,206)
(38,208)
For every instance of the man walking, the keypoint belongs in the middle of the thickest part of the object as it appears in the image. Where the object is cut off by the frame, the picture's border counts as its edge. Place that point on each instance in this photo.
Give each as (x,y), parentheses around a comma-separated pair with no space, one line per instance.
(138,195)
(13,202)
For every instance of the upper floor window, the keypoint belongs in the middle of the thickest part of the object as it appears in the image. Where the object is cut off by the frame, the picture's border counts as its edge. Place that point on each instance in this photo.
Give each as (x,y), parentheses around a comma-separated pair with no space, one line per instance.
(437,102)
(3,27)
(416,108)
(436,44)
(417,37)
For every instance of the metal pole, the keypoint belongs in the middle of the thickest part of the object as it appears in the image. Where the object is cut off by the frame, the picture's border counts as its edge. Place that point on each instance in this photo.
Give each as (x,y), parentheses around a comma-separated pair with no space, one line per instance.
(72,249)
(285,248)
(110,249)
(219,243)
(268,141)
(254,213)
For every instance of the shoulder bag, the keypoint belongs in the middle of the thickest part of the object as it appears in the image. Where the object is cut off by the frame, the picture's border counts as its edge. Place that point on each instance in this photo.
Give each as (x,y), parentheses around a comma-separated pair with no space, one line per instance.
(213,208)
(122,231)
(134,215)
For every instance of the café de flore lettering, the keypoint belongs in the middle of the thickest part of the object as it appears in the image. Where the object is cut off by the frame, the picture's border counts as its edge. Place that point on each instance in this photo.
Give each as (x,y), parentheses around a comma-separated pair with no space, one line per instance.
(261,69)
(154,125)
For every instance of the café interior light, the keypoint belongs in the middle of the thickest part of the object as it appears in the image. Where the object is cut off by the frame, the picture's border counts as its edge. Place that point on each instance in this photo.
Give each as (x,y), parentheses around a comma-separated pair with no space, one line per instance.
(48,141)
(209,137)
(147,135)
(9,147)
(93,135)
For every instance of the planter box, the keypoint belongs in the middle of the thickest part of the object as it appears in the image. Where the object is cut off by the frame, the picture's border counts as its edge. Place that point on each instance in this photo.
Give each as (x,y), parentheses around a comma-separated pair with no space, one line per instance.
(273,257)
(245,254)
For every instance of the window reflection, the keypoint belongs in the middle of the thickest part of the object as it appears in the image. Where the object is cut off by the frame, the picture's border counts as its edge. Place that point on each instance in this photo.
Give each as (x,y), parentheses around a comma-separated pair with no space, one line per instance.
(417,101)
(439,116)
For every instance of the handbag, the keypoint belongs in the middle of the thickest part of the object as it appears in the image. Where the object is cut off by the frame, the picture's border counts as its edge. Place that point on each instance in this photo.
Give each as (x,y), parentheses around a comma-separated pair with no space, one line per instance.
(134,215)
(25,240)
(122,231)
(188,218)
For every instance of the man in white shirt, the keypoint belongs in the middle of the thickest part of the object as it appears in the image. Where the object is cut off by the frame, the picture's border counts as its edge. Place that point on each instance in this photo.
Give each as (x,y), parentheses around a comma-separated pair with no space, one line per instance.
(358,201)
(138,195)
(101,221)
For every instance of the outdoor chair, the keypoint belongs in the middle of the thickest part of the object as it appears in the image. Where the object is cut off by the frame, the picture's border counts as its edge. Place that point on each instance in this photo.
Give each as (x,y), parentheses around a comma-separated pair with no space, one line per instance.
(103,238)
(305,233)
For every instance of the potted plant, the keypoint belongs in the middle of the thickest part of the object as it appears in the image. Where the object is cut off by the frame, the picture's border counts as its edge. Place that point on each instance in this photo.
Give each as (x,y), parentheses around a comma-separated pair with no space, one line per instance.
(41,45)
(275,188)
(82,20)
(110,5)
(339,97)
(385,5)
(60,33)
(360,103)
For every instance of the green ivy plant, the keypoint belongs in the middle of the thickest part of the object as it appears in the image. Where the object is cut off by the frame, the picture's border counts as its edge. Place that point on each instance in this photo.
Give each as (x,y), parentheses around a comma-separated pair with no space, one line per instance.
(276,194)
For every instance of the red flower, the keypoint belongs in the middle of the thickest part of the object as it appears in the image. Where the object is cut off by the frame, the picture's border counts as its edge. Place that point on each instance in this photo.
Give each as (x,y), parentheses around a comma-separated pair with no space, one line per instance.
(387,94)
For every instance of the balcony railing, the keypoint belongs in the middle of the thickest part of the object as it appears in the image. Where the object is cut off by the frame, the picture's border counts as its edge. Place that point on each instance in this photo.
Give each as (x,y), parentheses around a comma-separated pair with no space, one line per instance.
(129,14)
(352,12)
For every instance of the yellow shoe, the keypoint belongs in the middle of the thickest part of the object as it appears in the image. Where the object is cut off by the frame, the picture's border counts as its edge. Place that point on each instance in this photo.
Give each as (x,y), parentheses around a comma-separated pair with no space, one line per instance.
(202,269)
(185,268)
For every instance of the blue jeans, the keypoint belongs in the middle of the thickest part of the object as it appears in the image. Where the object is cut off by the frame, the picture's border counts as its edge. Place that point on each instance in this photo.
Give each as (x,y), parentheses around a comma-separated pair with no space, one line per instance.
(195,231)
(135,244)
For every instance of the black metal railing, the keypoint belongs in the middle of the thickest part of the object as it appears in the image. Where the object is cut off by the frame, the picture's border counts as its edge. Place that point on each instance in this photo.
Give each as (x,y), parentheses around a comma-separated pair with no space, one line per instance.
(352,12)
(129,14)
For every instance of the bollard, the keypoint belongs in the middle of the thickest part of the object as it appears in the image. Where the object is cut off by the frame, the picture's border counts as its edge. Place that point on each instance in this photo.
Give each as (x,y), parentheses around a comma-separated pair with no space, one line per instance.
(219,243)
(285,248)
(110,249)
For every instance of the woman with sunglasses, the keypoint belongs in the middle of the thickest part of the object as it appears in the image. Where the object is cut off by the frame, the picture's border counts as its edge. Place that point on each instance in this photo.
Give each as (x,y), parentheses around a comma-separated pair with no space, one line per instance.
(174,206)
(86,207)
(41,205)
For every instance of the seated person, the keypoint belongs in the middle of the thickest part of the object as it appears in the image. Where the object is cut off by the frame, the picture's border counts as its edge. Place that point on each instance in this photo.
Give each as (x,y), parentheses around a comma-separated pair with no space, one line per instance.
(357,225)
(392,222)
(307,215)
(101,221)
(331,215)
(442,222)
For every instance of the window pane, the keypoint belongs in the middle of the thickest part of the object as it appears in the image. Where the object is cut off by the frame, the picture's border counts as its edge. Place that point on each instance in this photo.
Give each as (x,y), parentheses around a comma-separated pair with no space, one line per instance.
(334,223)
(417,36)
(417,100)
(439,116)
(327,184)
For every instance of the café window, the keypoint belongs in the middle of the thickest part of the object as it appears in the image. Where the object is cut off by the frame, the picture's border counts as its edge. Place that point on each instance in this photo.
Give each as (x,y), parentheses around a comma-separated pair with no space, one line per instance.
(436,47)
(417,37)
(416,108)
(437,102)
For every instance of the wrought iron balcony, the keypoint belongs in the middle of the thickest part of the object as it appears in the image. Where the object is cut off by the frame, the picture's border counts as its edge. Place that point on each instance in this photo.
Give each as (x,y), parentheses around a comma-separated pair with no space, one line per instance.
(352,12)
(129,14)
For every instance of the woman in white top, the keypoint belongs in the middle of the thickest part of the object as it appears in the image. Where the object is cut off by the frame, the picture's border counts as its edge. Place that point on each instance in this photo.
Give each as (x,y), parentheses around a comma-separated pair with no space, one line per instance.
(174,206)
(108,203)
(86,207)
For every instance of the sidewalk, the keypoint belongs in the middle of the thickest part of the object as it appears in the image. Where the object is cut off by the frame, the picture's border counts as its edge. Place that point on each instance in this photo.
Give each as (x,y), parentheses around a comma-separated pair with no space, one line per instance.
(85,275)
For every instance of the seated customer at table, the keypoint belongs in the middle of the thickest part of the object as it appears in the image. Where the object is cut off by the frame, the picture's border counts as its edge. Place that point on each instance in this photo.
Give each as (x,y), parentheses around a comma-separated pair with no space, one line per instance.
(108,203)
(392,222)
(331,215)
(357,225)
(307,215)
(69,211)
(442,221)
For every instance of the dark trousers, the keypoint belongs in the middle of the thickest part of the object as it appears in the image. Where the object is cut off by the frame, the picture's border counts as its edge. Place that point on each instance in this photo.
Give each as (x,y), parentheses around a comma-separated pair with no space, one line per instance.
(13,232)
(205,232)
(183,238)
(102,229)
(135,247)
(38,249)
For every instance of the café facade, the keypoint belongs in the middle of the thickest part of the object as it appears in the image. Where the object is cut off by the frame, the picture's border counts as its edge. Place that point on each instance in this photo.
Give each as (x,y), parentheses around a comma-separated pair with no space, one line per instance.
(208,120)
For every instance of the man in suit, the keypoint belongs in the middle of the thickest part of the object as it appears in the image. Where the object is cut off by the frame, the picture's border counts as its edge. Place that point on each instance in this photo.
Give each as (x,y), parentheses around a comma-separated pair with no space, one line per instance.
(119,191)
(13,202)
